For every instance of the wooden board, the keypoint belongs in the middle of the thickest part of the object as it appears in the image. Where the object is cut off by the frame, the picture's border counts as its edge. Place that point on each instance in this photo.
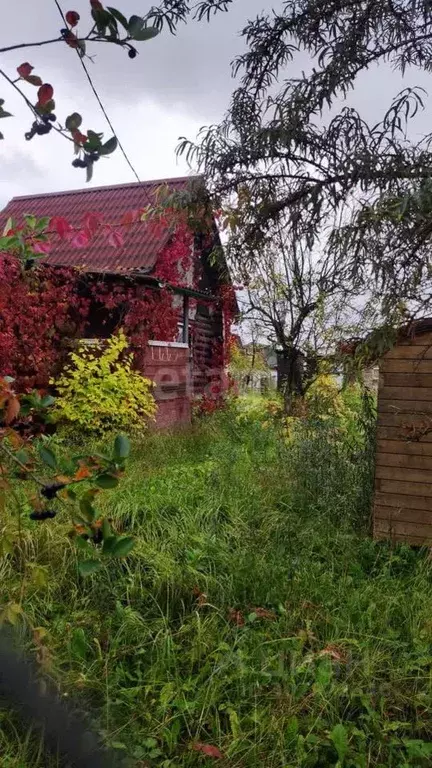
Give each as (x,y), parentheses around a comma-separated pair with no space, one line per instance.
(405,406)
(406,366)
(406,421)
(397,433)
(404,447)
(399,500)
(404,514)
(404,352)
(414,541)
(421,380)
(405,393)
(421,476)
(404,460)
(405,488)
(417,340)
(398,528)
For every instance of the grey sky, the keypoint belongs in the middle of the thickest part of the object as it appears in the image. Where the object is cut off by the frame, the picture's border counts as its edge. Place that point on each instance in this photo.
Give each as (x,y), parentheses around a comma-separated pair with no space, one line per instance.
(172,88)
(175,85)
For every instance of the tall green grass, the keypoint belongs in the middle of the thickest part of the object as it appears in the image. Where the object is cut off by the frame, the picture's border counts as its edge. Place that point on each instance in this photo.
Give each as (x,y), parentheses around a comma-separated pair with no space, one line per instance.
(255,613)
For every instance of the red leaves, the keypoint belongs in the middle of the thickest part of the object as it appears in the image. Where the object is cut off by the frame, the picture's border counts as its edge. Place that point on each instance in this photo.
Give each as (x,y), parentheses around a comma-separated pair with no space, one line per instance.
(42,247)
(9,402)
(82,473)
(334,652)
(130,217)
(175,261)
(115,238)
(35,317)
(264,613)
(96,5)
(235,616)
(78,137)
(72,18)
(42,310)
(80,239)
(12,409)
(24,70)
(71,39)
(61,226)
(92,222)
(45,94)
(208,750)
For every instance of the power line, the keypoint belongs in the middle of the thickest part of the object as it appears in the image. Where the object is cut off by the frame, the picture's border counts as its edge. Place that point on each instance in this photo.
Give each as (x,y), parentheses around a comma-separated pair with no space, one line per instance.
(99,101)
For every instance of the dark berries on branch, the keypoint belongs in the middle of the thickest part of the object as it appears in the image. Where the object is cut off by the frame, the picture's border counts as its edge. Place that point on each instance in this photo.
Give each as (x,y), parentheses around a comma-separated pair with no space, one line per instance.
(50,490)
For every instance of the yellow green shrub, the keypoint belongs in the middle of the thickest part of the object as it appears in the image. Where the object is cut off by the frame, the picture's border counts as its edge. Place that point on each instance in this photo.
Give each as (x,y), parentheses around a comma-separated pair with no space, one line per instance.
(99,391)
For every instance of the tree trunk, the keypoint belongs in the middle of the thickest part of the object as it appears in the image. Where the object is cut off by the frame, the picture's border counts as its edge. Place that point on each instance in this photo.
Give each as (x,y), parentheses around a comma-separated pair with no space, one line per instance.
(290,374)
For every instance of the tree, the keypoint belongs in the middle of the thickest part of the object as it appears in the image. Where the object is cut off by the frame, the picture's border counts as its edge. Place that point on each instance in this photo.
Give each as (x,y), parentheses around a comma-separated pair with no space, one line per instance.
(105,25)
(287,153)
(293,298)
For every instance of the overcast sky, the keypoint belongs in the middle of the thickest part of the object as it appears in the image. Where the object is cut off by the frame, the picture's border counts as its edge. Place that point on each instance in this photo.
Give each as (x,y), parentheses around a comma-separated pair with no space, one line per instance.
(175,85)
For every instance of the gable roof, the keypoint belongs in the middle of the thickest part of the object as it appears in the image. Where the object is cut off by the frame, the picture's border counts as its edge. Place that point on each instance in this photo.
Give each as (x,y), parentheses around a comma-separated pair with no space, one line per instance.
(142,242)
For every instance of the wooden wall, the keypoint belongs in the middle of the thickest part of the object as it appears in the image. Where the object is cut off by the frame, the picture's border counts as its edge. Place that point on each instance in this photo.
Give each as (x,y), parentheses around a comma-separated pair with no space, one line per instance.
(206,331)
(403,479)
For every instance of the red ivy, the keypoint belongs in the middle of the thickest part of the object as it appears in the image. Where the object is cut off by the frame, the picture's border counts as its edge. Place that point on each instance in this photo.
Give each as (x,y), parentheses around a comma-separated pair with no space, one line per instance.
(40,311)
(145,313)
(175,263)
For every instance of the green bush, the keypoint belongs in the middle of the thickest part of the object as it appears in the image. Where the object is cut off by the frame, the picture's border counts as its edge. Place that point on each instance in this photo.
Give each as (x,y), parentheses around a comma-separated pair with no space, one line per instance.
(99,391)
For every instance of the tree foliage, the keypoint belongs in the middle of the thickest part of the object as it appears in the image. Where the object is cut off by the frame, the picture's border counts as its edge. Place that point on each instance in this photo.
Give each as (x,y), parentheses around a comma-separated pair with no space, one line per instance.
(289,151)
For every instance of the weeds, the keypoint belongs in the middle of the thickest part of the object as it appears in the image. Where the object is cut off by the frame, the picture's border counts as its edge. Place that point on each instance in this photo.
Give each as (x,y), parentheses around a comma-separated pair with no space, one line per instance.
(254,624)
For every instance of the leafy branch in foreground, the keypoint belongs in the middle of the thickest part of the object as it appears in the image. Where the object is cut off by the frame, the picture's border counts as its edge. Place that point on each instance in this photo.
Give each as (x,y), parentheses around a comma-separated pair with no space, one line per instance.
(106,25)
(52,484)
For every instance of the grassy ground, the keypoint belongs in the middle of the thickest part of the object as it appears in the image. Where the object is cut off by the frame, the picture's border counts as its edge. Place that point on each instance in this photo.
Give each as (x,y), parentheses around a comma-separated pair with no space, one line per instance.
(255,613)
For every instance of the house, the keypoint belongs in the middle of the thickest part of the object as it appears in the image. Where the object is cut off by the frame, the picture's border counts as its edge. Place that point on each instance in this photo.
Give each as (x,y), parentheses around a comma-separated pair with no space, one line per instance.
(185,360)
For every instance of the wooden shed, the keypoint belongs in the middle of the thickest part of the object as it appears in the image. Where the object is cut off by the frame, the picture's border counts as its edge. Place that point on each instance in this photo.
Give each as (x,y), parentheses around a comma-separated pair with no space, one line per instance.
(403,479)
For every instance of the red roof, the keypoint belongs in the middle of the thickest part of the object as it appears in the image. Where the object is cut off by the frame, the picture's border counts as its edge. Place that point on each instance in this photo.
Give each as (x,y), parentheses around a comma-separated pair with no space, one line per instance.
(142,242)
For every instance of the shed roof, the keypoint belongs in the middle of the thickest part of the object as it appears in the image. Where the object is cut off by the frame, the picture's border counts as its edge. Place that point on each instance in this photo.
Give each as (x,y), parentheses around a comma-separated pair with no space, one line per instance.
(415,328)
(142,242)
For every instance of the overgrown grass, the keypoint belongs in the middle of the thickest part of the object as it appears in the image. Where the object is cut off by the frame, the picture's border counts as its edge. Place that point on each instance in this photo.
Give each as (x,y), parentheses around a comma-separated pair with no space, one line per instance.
(255,613)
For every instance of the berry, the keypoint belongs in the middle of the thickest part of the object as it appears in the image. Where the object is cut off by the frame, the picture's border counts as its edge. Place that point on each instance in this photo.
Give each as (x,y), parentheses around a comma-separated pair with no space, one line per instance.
(43,128)
(45,514)
(132,53)
(51,490)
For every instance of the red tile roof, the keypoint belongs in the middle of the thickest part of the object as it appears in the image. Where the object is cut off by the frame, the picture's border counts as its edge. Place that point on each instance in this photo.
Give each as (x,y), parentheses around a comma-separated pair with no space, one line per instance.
(142,243)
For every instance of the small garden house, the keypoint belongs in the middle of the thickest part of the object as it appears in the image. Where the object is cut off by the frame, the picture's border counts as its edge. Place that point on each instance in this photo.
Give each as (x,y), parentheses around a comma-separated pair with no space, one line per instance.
(403,484)
(175,267)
